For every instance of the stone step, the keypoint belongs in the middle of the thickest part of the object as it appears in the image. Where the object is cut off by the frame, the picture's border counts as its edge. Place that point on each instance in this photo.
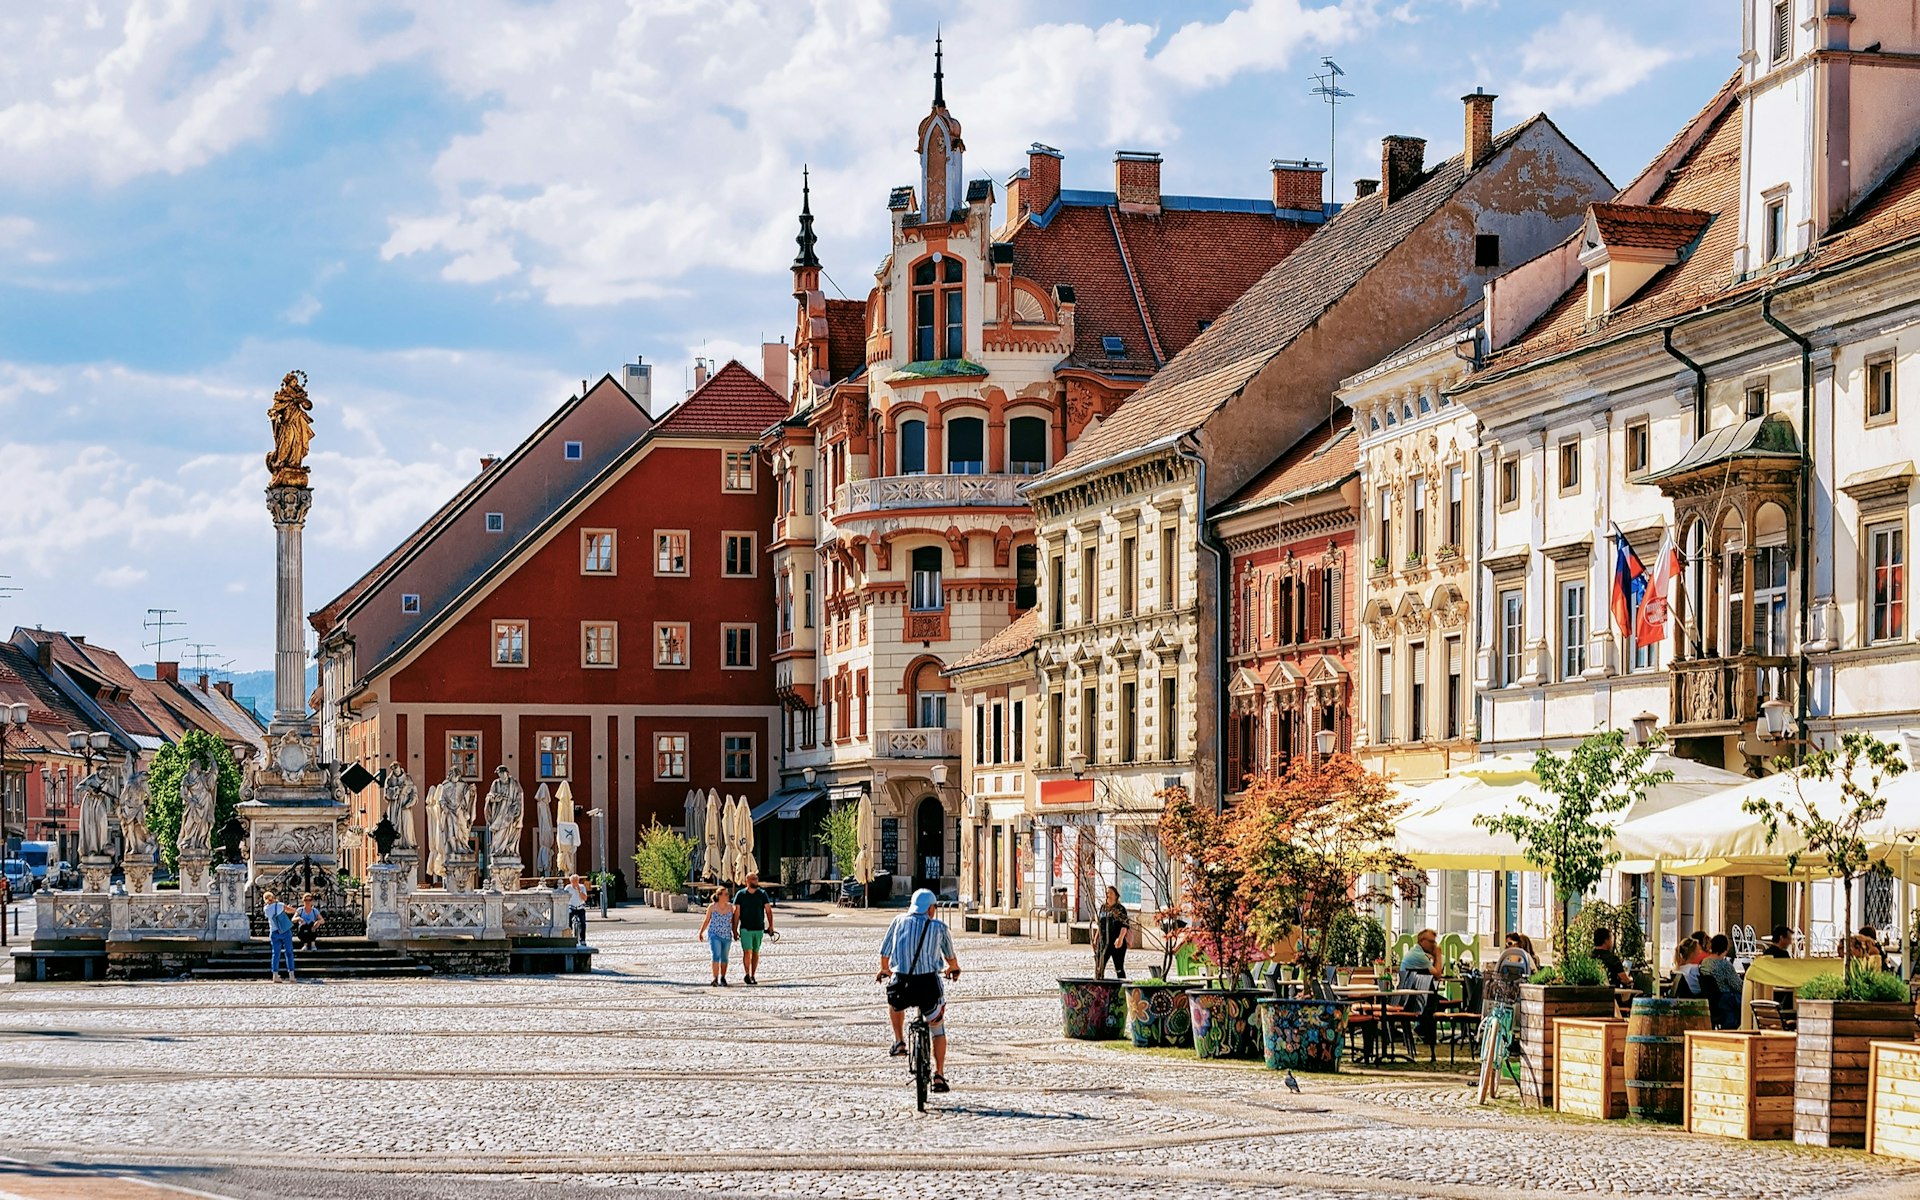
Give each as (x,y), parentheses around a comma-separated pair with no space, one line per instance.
(345,958)
(389,971)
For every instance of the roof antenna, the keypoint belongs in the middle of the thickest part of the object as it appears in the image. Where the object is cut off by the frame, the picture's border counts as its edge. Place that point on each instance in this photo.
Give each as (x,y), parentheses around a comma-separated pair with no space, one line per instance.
(158,619)
(1326,85)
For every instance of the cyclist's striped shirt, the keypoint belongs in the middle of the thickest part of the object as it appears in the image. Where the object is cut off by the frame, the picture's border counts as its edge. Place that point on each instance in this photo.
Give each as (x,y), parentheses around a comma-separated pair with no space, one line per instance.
(905,934)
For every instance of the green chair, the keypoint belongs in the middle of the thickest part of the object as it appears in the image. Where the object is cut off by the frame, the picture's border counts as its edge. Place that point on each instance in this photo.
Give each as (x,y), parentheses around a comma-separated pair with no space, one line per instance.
(1455,946)
(1398,951)
(1188,962)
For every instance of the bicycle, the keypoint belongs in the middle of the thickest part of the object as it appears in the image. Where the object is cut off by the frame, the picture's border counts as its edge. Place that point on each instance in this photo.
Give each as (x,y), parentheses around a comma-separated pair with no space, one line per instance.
(920,1056)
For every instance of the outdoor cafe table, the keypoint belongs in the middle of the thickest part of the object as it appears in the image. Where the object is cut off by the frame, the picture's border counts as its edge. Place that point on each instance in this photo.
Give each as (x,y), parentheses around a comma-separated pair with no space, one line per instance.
(1767,974)
(1383,1051)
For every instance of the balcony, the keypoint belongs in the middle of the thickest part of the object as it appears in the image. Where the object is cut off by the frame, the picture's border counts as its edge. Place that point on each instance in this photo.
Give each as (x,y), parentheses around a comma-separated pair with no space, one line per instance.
(892,492)
(917,743)
(1723,695)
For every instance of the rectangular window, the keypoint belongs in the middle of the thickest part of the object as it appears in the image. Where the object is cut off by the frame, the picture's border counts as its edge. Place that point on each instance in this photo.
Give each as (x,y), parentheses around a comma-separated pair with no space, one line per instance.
(1510,481)
(806,491)
(556,755)
(1456,507)
(956,322)
(928,594)
(463,754)
(669,756)
(572,451)
(1417,694)
(738,473)
(736,757)
(596,552)
(1057,590)
(979,733)
(1569,466)
(509,643)
(1056,729)
(1089,580)
(1384,548)
(1782,31)
(1486,250)
(1090,724)
(933,710)
(1756,402)
(670,644)
(1417,522)
(496,522)
(1776,230)
(736,647)
(999,734)
(1129,553)
(409,602)
(1887,564)
(1027,445)
(806,600)
(1456,688)
(1129,720)
(1169,718)
(1512,635)
(670,552)
(1020,731)
(1880,391)
(1573,628)
(1383,698)
(1169,560)
(599,644)
(1638,445)
(737,555)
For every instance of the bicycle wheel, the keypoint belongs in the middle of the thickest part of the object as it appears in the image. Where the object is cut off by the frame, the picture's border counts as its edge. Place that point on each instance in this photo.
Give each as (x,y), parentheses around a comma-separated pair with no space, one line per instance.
(920,1054)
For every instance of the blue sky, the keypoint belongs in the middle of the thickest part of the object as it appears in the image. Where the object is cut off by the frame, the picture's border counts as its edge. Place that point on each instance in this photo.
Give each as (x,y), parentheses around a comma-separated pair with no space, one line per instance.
(449,214)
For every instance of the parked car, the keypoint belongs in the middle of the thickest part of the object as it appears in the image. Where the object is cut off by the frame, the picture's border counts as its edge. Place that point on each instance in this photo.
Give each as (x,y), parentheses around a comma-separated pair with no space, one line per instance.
(18,876)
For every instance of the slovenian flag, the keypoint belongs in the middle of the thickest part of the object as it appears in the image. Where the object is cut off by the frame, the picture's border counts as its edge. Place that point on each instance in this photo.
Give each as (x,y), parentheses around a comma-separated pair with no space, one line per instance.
(1651,626)
(1629,583)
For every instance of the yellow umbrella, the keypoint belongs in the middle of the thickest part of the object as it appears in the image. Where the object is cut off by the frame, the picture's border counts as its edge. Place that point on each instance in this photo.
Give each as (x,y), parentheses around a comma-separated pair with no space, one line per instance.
(713,863)
(748,866)
(863,820)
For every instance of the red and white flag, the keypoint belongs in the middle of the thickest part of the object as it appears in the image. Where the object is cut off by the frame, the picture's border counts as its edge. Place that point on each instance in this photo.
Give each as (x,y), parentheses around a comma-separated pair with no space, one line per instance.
(1651,627)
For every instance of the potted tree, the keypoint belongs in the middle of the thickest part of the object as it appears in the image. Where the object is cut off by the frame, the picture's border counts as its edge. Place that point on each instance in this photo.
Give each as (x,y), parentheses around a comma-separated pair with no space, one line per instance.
(663,863)
(1840,1013)
(1567,832)
(1214,906)
(1306,843)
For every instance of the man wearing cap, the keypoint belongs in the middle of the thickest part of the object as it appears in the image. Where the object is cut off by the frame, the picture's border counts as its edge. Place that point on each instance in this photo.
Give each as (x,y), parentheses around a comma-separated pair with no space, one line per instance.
(916,946)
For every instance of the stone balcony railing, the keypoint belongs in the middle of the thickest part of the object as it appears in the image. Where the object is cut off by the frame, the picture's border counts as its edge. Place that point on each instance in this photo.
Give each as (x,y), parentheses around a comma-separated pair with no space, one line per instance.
(917,743)
(1720,695)
(929,491)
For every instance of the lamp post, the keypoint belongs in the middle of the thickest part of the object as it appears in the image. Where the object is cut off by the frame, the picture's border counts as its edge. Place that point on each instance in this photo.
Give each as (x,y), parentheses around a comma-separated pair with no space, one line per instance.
(1323,741)
(599,816)
(86,745)
(1645,726)
(12,716)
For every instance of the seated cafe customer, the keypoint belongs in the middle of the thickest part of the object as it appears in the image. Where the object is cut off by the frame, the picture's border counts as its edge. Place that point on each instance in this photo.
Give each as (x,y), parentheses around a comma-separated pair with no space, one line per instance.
(1725,1003)
(1419,965)
(1780,945)
(1604,954)
(1687,981)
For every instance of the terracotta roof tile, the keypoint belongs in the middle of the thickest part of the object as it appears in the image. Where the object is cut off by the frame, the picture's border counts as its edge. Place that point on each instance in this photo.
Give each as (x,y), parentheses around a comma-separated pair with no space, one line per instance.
(50,715)
(846,337)
(734,402)
(1648,226)
(1010,643)
(1323,459)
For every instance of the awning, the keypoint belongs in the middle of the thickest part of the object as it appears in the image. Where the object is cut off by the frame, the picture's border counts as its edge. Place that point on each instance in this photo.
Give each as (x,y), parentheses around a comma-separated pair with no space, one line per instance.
(787,804)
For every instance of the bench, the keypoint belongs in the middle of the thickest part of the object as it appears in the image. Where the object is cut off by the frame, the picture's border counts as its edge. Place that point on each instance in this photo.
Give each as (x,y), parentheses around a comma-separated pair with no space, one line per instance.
(1080,933)
(34,966)
(1002,924)
(552,960)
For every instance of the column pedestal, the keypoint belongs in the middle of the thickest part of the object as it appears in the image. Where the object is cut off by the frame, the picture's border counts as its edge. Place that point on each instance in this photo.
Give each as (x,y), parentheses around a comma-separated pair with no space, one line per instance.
(462,873)
(503,875)
(409,863)
(195,872)
(96,873)
(228,902)
(387,888)
(139,878)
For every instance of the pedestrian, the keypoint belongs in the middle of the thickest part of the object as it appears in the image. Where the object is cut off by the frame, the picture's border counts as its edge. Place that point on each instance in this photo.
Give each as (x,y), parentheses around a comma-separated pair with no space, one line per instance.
(1115,933)
(279,938)
(717,928)
(577,908)
(755,909)
(306,923)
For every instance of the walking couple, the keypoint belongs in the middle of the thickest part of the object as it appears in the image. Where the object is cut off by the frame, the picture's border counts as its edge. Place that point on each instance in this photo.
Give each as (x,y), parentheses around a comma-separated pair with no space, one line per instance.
(748,912)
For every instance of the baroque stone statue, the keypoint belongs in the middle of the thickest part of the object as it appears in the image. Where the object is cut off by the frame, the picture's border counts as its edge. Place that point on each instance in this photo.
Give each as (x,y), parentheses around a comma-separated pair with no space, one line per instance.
(543,832)
(437,830)
(459,803)
(398,795)
(506,810)
(136,840)
(292,431)
(199,794)
(96,808)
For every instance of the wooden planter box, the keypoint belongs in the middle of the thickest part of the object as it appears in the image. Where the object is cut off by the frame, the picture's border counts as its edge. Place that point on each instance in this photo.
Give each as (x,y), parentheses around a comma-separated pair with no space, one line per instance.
(1590,1067)
(1740,1084)
(1540,1006)
(1830,1066)
(1893,1109)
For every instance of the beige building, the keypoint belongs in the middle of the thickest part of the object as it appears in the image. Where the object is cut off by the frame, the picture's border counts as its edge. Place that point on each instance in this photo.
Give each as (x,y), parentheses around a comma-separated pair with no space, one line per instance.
(996,689)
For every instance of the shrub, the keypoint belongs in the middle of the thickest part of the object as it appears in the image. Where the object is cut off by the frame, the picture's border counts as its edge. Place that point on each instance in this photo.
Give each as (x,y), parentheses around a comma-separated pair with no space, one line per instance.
(1629,941)
(1859,984)
(1582,971)
(1355,941)
(1546,975)
(1822,987)
(839,836)
(664,860)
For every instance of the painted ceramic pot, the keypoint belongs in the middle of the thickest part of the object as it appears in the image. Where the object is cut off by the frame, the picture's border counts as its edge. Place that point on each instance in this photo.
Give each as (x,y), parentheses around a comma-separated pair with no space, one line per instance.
(1091,1009)
(1157,1014)
(1302,1035)
(1224,1025)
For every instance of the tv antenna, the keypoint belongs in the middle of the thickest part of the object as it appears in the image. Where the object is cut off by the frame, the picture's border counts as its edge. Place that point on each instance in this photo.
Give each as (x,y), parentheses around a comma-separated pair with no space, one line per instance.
(1327,86)
(158,619)
(7,591)
(202,653)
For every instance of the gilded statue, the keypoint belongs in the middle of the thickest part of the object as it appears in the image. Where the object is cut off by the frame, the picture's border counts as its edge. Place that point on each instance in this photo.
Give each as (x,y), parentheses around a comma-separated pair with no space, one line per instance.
(292,431)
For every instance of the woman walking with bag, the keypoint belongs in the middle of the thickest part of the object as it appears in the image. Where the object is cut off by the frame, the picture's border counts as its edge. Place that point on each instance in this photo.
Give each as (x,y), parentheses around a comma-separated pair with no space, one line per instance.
(718,930)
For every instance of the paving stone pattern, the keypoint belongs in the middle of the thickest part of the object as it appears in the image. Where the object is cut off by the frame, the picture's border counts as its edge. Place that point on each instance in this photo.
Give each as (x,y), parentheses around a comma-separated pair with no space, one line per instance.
(642,1080)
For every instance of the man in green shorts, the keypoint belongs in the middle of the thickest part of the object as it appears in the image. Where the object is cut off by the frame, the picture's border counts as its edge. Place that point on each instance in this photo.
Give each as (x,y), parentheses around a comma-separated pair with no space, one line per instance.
(755,922)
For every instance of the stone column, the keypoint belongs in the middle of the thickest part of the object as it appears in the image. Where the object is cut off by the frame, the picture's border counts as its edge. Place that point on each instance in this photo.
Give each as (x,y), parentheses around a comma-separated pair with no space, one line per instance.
(228,902)
(288,504)
(387,887)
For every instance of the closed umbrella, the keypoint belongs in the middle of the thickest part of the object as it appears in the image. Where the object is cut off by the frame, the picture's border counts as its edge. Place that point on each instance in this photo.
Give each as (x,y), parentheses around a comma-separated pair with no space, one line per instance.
(712,862)
(863,862)
(747,864)
(695,809)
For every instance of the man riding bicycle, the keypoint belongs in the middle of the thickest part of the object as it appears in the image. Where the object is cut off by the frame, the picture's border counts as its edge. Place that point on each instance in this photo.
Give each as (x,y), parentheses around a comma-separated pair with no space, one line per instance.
(911,955)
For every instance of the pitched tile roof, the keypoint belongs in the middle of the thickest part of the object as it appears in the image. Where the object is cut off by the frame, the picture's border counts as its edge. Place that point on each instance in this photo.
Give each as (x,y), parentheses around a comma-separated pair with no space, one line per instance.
(1648,226)
(107,681)
(1325,458)
(1010,643)
(846,337)
(50,715)
(734,402)
(1282,305)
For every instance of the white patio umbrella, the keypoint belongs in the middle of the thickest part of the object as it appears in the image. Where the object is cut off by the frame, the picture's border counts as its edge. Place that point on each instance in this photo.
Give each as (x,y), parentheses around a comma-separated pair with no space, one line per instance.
(713,829)
(863,820)
(748,866)
(696,809)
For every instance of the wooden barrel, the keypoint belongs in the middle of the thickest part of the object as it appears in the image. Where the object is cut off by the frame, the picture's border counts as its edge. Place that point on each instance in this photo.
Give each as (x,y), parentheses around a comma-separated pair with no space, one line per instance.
(1657,1056)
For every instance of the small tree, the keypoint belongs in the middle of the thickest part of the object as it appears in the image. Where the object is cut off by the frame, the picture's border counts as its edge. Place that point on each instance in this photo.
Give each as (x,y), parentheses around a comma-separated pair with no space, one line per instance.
(1860,765)
(1136,853)
(1306,842)
(1211,897)
(839,836)
(1568,833)
(163,789)
(664,859)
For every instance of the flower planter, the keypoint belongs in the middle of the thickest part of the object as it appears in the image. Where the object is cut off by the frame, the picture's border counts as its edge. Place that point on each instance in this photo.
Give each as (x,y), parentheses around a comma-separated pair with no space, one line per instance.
(1091,1009)
(1657,1032)
(1305,1035)
(1224,1025)
(1740,1084)
(1590,1067)
(1157,1014)
(1830,1097)
(1540,1006)
(1893,1103)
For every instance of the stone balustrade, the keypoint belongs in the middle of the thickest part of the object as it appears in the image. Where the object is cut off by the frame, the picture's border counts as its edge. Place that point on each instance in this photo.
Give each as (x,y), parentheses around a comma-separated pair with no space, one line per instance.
(918,743)
(930,491)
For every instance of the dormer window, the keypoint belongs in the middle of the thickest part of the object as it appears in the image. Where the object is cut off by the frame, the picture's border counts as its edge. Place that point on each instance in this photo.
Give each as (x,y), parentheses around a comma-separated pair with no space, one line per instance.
(1775,229)
(939,309)
(1626,245)
(1116,347)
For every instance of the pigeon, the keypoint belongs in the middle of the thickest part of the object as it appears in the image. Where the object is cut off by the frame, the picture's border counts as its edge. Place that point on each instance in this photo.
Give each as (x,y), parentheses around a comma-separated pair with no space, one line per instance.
(1293,1085)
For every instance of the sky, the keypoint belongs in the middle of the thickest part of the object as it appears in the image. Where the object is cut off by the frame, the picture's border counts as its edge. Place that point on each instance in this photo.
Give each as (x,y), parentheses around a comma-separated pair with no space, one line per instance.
(449,214)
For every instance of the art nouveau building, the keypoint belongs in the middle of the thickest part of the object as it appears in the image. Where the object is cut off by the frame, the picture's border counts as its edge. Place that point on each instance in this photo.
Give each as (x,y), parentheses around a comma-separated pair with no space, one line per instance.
(902,543)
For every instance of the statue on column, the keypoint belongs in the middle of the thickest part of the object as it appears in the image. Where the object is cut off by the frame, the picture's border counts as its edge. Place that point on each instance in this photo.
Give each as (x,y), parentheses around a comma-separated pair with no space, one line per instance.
(458,803)
(398,796)
(437,830)
(96,808)
(199,795)
(292,431)
(506,810)
(136,840)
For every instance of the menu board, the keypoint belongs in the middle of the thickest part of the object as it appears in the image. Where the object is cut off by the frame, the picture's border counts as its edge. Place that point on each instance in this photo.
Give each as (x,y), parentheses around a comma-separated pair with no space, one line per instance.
(890,845)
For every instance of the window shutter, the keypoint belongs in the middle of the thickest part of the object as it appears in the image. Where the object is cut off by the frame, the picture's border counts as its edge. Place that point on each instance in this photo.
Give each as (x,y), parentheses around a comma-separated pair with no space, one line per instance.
(1782,29)
(1338,606)
(1315,606)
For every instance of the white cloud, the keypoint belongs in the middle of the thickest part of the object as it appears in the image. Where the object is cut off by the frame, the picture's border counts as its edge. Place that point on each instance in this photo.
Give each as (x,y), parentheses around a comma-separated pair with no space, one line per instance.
(1581,60)
(303,310)
(122,576)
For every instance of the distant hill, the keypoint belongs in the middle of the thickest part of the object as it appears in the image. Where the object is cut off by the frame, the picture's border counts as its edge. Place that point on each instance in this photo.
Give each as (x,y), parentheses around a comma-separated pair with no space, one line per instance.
(251,688)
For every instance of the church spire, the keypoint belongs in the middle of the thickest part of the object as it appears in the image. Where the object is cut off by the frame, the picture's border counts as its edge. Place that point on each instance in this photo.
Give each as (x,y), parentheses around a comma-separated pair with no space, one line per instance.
(939,80)
(806,241)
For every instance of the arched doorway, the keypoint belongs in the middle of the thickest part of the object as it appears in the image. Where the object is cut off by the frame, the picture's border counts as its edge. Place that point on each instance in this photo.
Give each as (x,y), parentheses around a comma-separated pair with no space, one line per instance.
(929,843)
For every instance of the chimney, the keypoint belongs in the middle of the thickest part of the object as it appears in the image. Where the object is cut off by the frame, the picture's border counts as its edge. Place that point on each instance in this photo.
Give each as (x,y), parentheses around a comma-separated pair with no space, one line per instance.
(1136,182)
(1479,141)
(637,378)
(1017,193)
(166,672)
(43,654)
(1296,185)
(1043,178)
(487,461)
(1402,159)
(225,688)
(1362,188)
(773,365)
(699,373)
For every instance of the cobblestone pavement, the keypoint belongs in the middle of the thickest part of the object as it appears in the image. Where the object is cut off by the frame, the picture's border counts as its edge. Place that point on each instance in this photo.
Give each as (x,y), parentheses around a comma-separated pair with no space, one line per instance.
(640,1080)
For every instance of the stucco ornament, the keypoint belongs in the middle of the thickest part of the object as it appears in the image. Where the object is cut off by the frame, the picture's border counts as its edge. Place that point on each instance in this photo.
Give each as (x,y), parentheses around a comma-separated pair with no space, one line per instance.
(292,431)
(398,796)
(506,810)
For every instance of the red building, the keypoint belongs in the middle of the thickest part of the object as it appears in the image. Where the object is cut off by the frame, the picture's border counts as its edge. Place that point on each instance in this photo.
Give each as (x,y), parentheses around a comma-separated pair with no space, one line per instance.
(620,644)
(1291,630)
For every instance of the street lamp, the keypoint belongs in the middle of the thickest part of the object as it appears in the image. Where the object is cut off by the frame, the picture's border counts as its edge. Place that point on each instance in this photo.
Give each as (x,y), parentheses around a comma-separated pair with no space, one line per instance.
(1323,742)
(1645,726)
(1772,725)
(599,816)
(1077,763)
(809,774)
(938,773)
(86,745)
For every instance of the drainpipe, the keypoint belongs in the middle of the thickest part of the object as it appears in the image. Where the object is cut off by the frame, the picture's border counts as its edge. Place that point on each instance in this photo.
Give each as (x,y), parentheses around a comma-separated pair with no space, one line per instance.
(1187,449)
(1699,382)
(1806,506)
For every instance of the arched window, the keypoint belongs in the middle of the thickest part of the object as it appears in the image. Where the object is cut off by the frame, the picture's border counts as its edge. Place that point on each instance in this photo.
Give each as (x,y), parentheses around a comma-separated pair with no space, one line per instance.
(929,697)
(1696,587)
(927,593)
(913,447)
(1027,445)
(939,308)
(966,446)
(1733,585)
